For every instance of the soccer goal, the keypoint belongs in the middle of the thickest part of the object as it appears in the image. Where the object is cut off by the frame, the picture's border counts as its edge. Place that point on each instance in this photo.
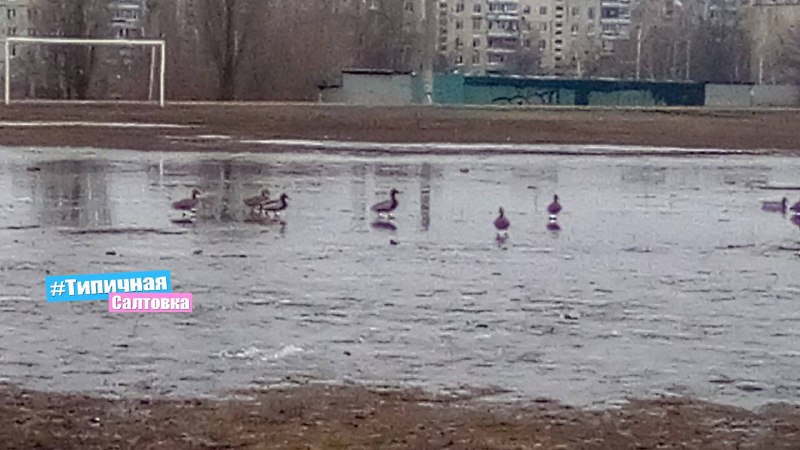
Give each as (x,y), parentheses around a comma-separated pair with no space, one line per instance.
(152,43)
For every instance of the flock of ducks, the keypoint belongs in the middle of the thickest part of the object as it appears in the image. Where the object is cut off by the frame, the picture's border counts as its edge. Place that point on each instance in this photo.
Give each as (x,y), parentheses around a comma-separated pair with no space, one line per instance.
(502,224)
(264,204)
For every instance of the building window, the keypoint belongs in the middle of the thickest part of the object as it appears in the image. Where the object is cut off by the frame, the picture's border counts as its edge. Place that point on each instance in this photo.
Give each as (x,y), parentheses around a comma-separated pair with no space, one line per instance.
(590,13)
(576,11)
(13,50)
(476,8)
(528,43)
(459,43)
(459,24)
(460,60)
(476,58)
(526,9)
(410,6)
(590,29)
(476,24)
(476,42)
(609,13)
(11,13)
(542,26)
(12,31)
(542,45)
(459,7)
(543,10)
(574,29)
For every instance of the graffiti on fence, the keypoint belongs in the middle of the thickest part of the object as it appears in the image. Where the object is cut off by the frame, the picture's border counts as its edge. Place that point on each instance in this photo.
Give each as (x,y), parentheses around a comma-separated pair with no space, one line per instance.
(530,97)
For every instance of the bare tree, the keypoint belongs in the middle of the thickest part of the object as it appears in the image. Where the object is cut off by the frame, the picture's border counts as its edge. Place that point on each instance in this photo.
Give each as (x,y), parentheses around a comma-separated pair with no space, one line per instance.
(224,30)
(71,68)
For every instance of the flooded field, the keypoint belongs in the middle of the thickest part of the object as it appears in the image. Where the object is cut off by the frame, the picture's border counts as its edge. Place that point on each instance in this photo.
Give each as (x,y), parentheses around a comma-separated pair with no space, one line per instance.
(666,276)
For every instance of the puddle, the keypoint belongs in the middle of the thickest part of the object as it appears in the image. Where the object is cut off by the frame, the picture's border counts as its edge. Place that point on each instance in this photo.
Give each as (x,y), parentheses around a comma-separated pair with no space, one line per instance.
(665,272)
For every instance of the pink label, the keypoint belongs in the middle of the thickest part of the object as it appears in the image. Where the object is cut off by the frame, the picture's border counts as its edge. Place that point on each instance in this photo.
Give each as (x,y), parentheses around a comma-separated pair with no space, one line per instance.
(149,302)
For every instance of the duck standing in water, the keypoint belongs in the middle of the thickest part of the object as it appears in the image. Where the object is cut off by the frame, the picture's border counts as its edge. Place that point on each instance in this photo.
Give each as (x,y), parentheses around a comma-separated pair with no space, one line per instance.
(188,204)
(501,223)
(257,201)
(773,206)
(387,206)
(555,207)
(276,206)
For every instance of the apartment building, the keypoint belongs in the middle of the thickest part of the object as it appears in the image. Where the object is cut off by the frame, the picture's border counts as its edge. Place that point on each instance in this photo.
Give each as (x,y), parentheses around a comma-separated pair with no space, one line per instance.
(528,37)
(18,18)
(568,33)
(615,23)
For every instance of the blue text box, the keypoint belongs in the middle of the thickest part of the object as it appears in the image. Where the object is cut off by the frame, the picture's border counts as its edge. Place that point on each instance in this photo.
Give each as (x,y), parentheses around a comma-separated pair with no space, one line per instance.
(72,288)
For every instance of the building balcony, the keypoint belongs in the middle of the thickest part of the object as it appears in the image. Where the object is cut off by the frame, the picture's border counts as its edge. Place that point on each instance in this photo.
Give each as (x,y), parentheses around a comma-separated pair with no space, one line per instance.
(506,17)
(499,32)
(619,20)
(500,50)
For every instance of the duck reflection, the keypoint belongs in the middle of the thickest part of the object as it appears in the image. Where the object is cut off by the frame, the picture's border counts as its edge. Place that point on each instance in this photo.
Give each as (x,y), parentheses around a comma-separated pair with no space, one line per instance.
(795,219)
(383,224)
(552,224)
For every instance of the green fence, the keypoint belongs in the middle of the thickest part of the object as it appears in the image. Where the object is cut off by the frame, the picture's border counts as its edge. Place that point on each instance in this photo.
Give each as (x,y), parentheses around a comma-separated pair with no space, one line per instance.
(485,90)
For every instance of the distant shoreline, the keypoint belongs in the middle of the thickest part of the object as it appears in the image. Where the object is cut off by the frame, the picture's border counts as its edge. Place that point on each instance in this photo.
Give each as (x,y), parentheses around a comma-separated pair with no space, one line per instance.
(240,127)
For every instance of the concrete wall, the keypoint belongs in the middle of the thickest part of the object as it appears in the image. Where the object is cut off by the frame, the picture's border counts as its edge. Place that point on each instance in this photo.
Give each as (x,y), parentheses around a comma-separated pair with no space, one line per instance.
(730,95)
(747,95)
(776,95)
(377,89)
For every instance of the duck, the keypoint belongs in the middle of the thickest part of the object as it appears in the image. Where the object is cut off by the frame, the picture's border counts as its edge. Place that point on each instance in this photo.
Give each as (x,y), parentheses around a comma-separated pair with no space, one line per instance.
(276,206)
(387,206)
(796,207)
(187,204)
(501,222)
(258,201)
(555,207)
(775,206)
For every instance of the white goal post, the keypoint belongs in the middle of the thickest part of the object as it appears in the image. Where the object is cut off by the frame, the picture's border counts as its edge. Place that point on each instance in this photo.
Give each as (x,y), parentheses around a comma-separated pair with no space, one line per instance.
(153,43)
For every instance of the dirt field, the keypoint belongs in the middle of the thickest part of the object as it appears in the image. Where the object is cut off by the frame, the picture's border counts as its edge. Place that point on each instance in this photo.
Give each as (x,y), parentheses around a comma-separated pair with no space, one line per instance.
(320,417)
(694,128)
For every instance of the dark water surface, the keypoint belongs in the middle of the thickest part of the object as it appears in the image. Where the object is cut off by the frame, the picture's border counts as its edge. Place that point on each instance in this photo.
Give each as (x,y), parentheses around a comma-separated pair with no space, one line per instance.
(665,278)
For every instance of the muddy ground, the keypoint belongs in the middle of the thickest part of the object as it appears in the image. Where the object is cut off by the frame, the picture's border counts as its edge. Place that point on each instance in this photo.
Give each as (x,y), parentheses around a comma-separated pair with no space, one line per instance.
(331,417)
(682,127)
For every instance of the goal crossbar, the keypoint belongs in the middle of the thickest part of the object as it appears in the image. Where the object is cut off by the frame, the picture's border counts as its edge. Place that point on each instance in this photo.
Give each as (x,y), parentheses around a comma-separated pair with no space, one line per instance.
(160,43)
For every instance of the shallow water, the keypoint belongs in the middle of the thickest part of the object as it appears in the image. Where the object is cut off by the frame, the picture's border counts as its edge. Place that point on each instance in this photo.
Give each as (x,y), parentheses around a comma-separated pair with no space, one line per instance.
(665,278)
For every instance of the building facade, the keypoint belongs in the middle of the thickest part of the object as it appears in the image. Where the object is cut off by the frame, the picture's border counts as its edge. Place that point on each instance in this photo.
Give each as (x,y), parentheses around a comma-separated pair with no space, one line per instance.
(17,18)
(525,37)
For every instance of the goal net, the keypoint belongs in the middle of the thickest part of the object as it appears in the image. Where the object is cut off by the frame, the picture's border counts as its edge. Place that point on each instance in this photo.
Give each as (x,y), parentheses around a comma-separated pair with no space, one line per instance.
(156,47)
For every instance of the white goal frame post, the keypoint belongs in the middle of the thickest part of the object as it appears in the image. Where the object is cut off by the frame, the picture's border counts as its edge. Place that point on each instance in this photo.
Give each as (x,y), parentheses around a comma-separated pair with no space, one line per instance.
(153,43)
